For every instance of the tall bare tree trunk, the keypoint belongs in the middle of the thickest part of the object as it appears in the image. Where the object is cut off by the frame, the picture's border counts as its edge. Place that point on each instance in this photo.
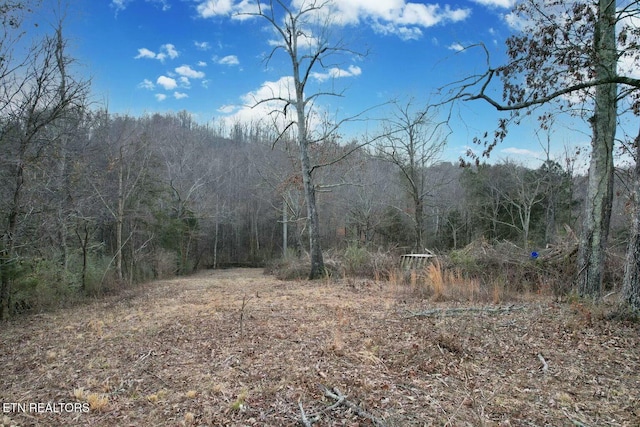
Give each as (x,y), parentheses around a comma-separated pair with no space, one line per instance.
(317,260)
(631,282)
(419,219)
(595,227)
(7,259)
(120,218)
(83,239)
(285,225)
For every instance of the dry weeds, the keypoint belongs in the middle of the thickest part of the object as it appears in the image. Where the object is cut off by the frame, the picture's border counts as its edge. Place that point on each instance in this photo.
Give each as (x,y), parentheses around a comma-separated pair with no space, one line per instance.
(237,348)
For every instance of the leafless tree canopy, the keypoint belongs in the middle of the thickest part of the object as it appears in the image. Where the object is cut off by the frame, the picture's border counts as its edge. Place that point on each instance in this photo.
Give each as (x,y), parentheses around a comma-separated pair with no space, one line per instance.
(93,201)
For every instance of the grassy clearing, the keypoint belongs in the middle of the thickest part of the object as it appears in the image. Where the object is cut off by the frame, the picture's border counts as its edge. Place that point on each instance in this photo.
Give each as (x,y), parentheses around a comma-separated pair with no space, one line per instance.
(239,348)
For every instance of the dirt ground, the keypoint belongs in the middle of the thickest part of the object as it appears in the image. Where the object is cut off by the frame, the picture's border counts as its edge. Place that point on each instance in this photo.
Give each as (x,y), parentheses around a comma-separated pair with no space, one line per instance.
(237,348)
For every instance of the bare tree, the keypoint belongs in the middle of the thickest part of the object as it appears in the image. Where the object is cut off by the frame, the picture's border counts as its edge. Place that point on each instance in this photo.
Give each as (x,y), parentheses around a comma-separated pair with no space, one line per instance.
(569,53)
(303,34)
(413,141)
(33,95)
(188,174)
(127,155)
(364,201)
(450,209)
(525,190)
(631,282)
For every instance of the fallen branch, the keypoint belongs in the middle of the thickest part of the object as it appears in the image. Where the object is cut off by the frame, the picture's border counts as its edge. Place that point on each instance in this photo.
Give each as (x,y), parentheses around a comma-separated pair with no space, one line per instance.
(447,312)
(341,399)
(245,300)
(545,366)
(306,422)
(574,421)
(144,356)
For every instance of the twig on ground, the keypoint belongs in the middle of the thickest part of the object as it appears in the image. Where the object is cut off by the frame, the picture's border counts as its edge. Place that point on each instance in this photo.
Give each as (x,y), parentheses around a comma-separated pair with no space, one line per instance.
(545,366)
(308,420)
(148,372)
(245,300)
(340,398)
(303,417)
(445,312)
(144,356)
(575,422)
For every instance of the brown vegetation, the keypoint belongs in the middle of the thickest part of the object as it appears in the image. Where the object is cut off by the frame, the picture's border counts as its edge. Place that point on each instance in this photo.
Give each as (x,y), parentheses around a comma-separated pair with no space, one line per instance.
(238,348)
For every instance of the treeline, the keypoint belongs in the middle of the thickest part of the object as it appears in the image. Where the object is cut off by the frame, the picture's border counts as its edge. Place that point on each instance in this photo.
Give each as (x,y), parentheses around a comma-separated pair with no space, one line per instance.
(106,200)
(91,201)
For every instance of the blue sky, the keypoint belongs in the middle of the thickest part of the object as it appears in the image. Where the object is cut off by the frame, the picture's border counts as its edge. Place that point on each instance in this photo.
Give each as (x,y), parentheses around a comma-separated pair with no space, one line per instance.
(147,56)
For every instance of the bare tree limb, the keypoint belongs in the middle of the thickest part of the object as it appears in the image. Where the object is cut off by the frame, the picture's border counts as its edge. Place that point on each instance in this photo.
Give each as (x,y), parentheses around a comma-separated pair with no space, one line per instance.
(545,365)
(485,79)
(341,399)
(303,417)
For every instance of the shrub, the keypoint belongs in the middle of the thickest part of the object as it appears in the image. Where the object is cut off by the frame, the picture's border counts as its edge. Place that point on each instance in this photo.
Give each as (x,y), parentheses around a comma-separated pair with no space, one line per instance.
(100,276)
(41,284)
(356,260)
(289,268)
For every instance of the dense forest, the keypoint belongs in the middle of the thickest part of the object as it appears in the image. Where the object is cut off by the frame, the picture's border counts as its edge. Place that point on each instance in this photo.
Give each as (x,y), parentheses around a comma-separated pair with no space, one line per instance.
(106,199)
(93,200)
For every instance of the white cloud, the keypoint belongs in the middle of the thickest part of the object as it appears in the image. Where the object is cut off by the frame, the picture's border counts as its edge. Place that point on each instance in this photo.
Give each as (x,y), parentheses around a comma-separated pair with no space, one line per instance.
(456,46)
(515,22)
(164,4)
(306,40)
(180,95)
(227,109)
(145,53)
(521,152)
(167,82)
(334,73)
(166,50)
(399,17)
(187,71)
(202,45)
(202,64)
(627,64)
(146,84)
(184,82)
(265,104)
(405,33)
(229,60)
(282,88)
(171,50)
(507,4)
(211,8)
(161,96)
(119,5)
(235,9)
(426,15)
(256,106)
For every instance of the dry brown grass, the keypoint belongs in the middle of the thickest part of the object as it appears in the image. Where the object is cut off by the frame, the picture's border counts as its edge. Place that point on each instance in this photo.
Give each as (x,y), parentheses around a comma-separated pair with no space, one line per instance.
(175,354)
(437,283)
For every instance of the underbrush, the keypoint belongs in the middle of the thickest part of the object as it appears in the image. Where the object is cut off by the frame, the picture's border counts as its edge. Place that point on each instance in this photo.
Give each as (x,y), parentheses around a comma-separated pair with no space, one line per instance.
(41,284)
(354,261)
(482,271)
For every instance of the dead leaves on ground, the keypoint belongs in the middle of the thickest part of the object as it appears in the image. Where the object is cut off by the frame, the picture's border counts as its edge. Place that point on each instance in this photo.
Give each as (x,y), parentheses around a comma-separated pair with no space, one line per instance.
(238,348)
